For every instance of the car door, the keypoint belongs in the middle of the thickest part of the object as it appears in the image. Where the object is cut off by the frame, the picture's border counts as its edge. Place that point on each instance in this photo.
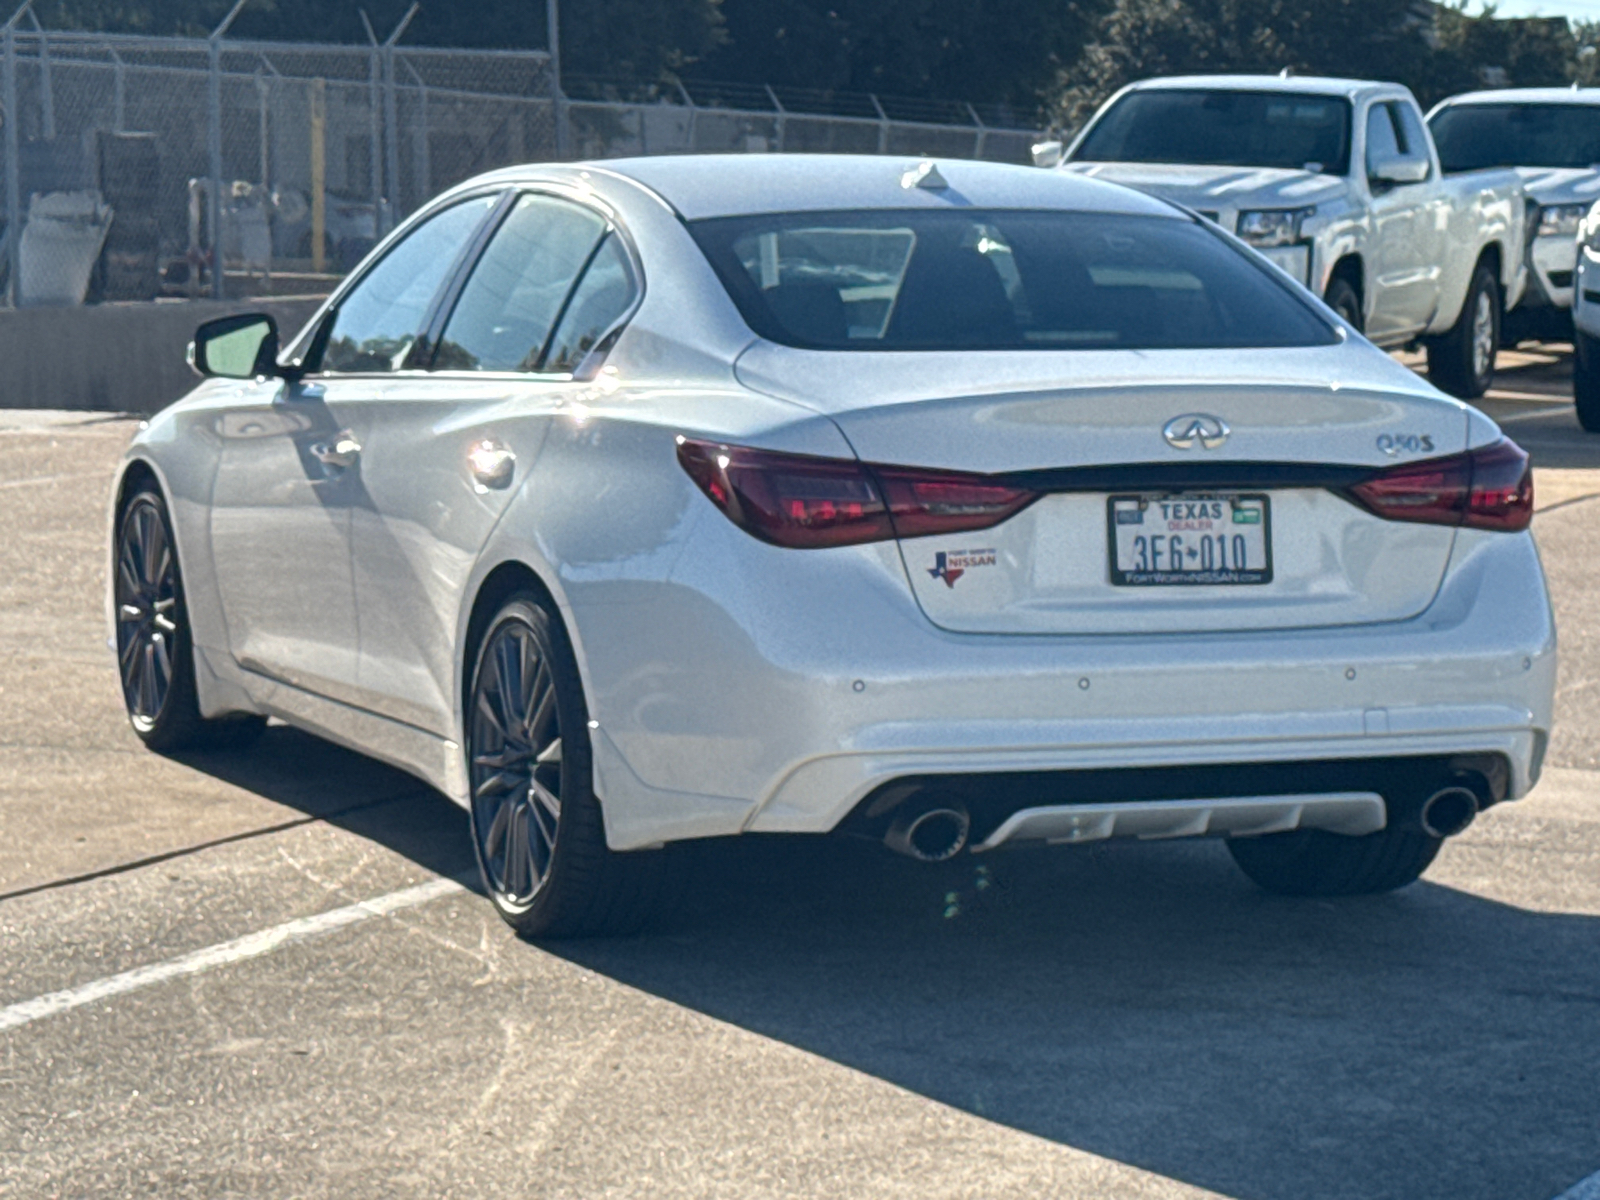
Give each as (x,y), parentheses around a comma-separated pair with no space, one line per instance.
(443,452)
(289,474)
(1403,271)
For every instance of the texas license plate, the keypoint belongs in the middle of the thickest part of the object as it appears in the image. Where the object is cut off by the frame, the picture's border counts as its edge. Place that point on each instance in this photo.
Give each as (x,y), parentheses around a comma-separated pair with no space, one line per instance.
(1189,538)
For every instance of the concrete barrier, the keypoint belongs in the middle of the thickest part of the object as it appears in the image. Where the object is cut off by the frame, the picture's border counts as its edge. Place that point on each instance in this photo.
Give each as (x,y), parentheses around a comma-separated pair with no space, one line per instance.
(116,357)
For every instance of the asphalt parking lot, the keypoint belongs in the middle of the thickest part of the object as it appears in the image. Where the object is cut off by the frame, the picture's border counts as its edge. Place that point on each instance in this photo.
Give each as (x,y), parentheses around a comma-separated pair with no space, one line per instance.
(820,1019)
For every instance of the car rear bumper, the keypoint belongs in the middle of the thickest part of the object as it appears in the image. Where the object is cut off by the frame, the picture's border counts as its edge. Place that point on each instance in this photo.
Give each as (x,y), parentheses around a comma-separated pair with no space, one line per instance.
(732,703)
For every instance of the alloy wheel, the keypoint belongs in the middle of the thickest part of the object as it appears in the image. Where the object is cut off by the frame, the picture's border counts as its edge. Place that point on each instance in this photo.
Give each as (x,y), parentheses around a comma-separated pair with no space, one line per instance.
(146,595)
(516,764)
(1483,338)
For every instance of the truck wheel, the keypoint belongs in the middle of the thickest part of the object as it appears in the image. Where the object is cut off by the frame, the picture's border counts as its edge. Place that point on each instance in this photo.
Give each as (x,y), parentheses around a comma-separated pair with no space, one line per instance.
(1586,380)
(1461,361)
(1313,862)
(1342,298)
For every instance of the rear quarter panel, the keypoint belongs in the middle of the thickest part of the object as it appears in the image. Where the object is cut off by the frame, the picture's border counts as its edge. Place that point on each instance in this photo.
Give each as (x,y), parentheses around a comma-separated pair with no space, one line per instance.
(1482,209)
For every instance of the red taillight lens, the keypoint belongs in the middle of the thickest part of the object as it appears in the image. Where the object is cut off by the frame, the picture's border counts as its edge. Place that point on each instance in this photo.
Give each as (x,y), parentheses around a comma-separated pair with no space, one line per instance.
(924,502)
(805,502)
(789,499)
(1489,488)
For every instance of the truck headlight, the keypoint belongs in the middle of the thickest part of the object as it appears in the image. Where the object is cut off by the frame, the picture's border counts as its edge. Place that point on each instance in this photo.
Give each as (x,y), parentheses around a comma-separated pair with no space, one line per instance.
(1272,226)
(1561,220)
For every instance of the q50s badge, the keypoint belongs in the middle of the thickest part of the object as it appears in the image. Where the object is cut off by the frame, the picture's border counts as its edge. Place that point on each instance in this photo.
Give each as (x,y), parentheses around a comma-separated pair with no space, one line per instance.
(1396,444)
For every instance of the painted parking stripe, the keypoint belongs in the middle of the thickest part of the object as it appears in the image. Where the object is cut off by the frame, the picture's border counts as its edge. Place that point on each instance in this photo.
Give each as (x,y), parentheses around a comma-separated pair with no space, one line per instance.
(1585,1189)
(252,945)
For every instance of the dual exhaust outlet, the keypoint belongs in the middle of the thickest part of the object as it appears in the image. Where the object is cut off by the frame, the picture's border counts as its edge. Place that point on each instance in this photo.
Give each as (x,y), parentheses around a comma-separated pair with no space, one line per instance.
(929,829)
(933,828)
(1448,811)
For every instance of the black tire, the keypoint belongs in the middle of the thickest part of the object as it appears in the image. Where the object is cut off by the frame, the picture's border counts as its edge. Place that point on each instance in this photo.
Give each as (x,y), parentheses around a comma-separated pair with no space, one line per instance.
(1461,361)
(1586,380)
(1342,298)
(155,651)
(546,867)
(1313,862)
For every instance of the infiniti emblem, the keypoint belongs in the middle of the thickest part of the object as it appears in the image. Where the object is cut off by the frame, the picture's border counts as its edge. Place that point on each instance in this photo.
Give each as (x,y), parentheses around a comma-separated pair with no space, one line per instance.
(1183,433)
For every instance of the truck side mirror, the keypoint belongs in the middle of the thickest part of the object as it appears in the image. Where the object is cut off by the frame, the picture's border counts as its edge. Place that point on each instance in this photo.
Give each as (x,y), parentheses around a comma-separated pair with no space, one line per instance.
(1399,169)
(1048,154)
(239,347)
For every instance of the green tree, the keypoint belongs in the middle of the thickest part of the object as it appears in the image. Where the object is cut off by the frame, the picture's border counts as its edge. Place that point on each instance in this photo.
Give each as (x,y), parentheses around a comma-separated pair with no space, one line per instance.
(1006,51)
(1488,51)
(1136,39)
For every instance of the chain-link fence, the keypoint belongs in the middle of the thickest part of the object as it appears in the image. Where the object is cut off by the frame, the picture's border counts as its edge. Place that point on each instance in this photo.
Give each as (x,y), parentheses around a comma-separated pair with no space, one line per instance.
(132,166)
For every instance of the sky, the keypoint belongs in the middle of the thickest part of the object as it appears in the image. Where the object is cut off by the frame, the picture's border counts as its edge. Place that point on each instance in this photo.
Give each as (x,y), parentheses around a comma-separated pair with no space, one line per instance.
(1587,10)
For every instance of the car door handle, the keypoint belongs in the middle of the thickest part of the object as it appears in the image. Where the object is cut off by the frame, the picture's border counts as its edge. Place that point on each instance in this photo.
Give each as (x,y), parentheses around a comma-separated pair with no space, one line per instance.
(341,452)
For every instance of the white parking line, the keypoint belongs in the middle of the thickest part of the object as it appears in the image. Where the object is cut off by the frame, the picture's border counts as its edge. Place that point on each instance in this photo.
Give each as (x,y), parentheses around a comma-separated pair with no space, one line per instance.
(1584,1189)
(252,945)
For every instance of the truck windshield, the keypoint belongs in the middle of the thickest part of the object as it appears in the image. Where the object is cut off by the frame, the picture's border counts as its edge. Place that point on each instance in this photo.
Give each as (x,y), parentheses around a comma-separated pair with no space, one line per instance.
(1213,127)
(1472,137)
(968,279)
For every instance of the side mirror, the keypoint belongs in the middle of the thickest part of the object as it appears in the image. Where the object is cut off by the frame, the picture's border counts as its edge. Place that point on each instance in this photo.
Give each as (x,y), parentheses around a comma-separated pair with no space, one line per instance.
(241,347)
(1048,154)
(1398,169)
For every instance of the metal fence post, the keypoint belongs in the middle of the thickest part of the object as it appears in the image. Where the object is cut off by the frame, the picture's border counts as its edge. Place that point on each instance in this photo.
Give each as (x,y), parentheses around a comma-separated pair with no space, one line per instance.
(119,96)
(318,104)
(783,114)
(419,155)
(883,126)
(374,128)
(391,114)
(47,91)
(214,138)
(693,113)
(13,168)
(983,132)
(558,108)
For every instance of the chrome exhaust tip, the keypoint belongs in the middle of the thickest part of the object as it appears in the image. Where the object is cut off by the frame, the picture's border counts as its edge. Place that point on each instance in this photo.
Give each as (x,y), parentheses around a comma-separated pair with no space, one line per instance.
(1448,811)
(929,830)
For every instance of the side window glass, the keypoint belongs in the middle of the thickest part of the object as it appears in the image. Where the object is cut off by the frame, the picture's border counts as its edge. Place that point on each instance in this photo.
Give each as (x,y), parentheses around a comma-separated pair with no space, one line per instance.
(1413,143)
(1381,140)
(380,319)
(601,297)
(518,288)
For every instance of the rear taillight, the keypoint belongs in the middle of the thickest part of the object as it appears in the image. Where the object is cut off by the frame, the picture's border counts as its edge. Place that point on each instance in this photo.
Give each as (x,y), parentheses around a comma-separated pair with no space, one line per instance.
(806,502)
(1488,488)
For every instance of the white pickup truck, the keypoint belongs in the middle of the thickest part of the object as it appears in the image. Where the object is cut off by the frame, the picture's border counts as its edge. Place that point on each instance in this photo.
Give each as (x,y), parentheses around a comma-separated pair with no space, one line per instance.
(1551,136)
(1336,181)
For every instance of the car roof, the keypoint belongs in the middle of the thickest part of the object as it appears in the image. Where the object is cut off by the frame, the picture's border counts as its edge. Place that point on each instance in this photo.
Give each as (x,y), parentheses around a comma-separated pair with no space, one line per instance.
(1308,85)
(1544,95)
(724,185)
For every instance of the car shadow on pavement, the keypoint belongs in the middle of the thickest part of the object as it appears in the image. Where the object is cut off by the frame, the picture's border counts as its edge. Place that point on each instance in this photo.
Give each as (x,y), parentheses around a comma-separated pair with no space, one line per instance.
(1146,1004)
(1142,1002)
(351,792)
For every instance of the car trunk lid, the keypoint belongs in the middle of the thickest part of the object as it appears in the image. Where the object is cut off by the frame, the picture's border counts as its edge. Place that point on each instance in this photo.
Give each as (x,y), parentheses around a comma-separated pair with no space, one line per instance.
(1096,448)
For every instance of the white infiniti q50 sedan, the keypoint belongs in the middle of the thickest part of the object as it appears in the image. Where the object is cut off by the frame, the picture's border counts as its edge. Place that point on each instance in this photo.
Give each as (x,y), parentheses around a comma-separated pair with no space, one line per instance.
(952,503)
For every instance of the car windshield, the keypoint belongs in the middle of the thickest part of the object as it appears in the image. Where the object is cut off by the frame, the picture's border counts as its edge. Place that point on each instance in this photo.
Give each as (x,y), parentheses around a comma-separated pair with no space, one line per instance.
(966,279)
(1471,137)
(1213,127)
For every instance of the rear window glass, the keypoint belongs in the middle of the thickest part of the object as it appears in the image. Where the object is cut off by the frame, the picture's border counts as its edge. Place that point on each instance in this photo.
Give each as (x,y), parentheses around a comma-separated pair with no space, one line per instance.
(971,280)
(1212,127)
(1472,137)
